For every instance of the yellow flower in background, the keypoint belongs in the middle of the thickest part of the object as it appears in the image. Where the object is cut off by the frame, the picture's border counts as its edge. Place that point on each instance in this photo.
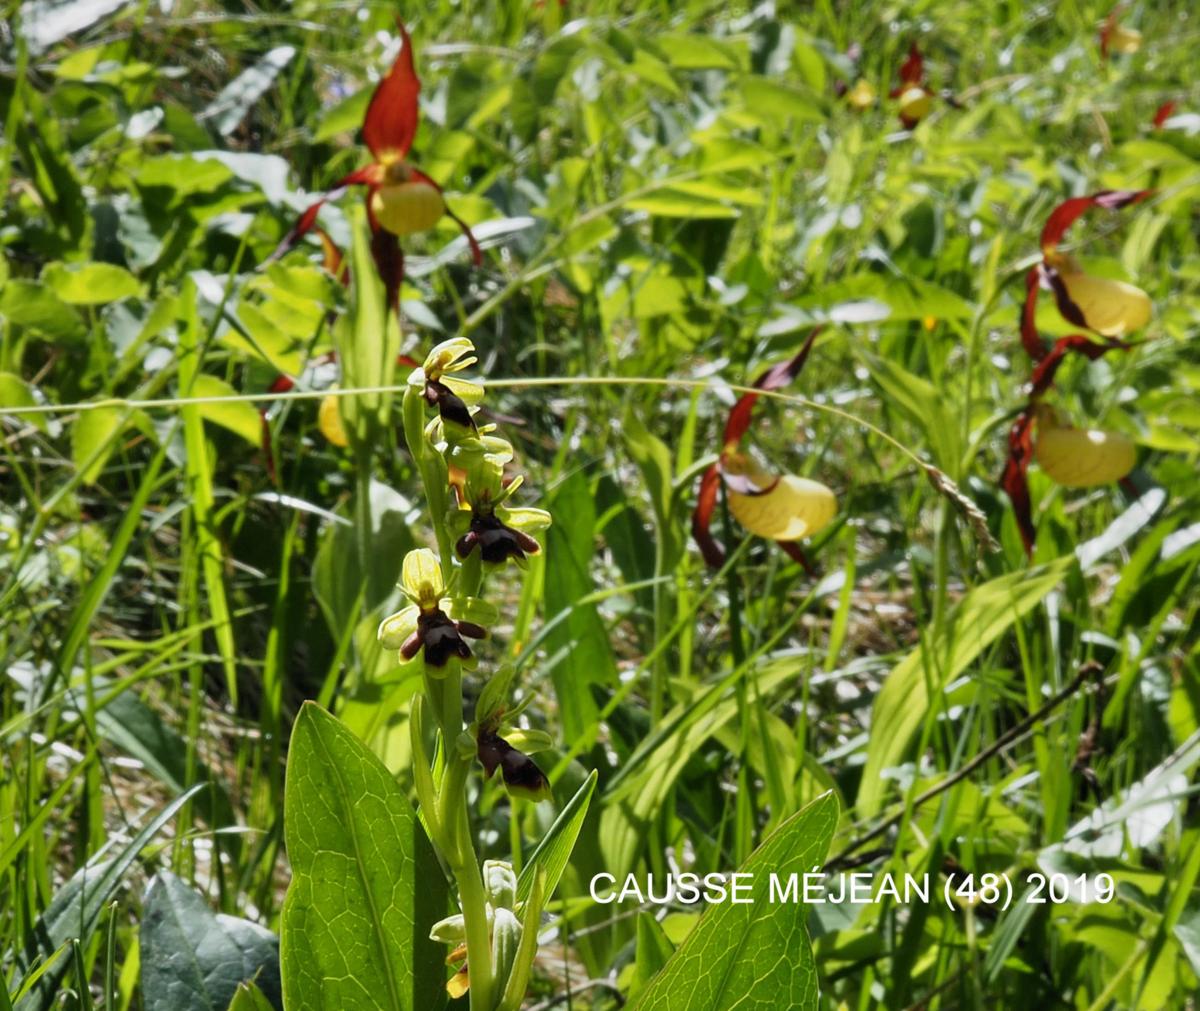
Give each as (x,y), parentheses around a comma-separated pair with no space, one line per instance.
(781,508)
(329,421)
(1079,457)
(861,96)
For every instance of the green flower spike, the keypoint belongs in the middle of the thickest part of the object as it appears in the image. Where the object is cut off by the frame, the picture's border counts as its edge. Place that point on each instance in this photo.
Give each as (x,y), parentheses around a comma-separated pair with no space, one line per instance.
(435,623)
(453,397)
(500,533)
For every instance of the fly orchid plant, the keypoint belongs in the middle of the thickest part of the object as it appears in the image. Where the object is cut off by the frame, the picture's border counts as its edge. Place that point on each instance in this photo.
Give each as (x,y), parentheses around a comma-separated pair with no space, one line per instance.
(478,532)
(1071,457)
(783,508)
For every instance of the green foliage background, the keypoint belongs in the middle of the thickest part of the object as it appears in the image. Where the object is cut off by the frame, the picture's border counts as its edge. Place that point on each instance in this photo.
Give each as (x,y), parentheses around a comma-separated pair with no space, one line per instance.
(666,192)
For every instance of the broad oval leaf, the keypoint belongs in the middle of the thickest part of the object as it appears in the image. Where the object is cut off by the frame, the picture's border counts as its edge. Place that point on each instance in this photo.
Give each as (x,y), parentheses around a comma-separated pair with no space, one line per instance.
(366,886)
(239,417)
(192,957)
(754,956)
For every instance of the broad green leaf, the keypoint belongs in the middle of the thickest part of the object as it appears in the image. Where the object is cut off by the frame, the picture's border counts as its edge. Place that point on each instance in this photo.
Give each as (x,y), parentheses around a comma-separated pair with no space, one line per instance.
(33,305)
(345,117)
(669,203)
(239,417)
(15,392)
(90,283)
(74,912)
(654,950)
(366,886)
(554,851)
(93,439)
(980,618)
(753,956)
(192,957)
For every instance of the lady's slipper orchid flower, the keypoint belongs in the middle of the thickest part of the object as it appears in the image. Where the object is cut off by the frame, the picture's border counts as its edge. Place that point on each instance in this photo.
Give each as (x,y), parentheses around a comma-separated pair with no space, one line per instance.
(782,508)
(1110,308)
(500,533)
(401,199)
(915,101)
(434,624)
(1116,37)
(1077,457)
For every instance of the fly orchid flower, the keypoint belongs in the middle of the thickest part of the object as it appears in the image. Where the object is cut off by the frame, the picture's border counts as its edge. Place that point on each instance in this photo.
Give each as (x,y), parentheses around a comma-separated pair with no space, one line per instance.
(401,199)
(1078,457)
(782,508)
(1116,37)
(500,533)
(1105,306)
(501,744)
(915,100)
(434,624)
(453,397)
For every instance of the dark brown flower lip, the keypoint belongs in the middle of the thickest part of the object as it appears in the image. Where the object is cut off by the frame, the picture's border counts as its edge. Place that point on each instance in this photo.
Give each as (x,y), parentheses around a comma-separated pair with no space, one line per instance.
(521,774)
(441,637)
(449,404)
(497,542)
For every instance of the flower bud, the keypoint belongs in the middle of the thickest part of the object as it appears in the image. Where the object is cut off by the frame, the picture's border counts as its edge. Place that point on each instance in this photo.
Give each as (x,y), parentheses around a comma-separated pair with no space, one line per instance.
(500,883)
(506,938)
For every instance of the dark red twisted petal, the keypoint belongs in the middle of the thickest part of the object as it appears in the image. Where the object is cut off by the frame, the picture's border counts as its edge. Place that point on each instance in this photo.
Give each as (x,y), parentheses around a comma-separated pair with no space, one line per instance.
(912,70)
(775,377)
(1035,347)
(796,553)
(1014,480)
(706,502)
(1164,112)
(364,176)
(1066,213)
(388,257)
(393,115)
